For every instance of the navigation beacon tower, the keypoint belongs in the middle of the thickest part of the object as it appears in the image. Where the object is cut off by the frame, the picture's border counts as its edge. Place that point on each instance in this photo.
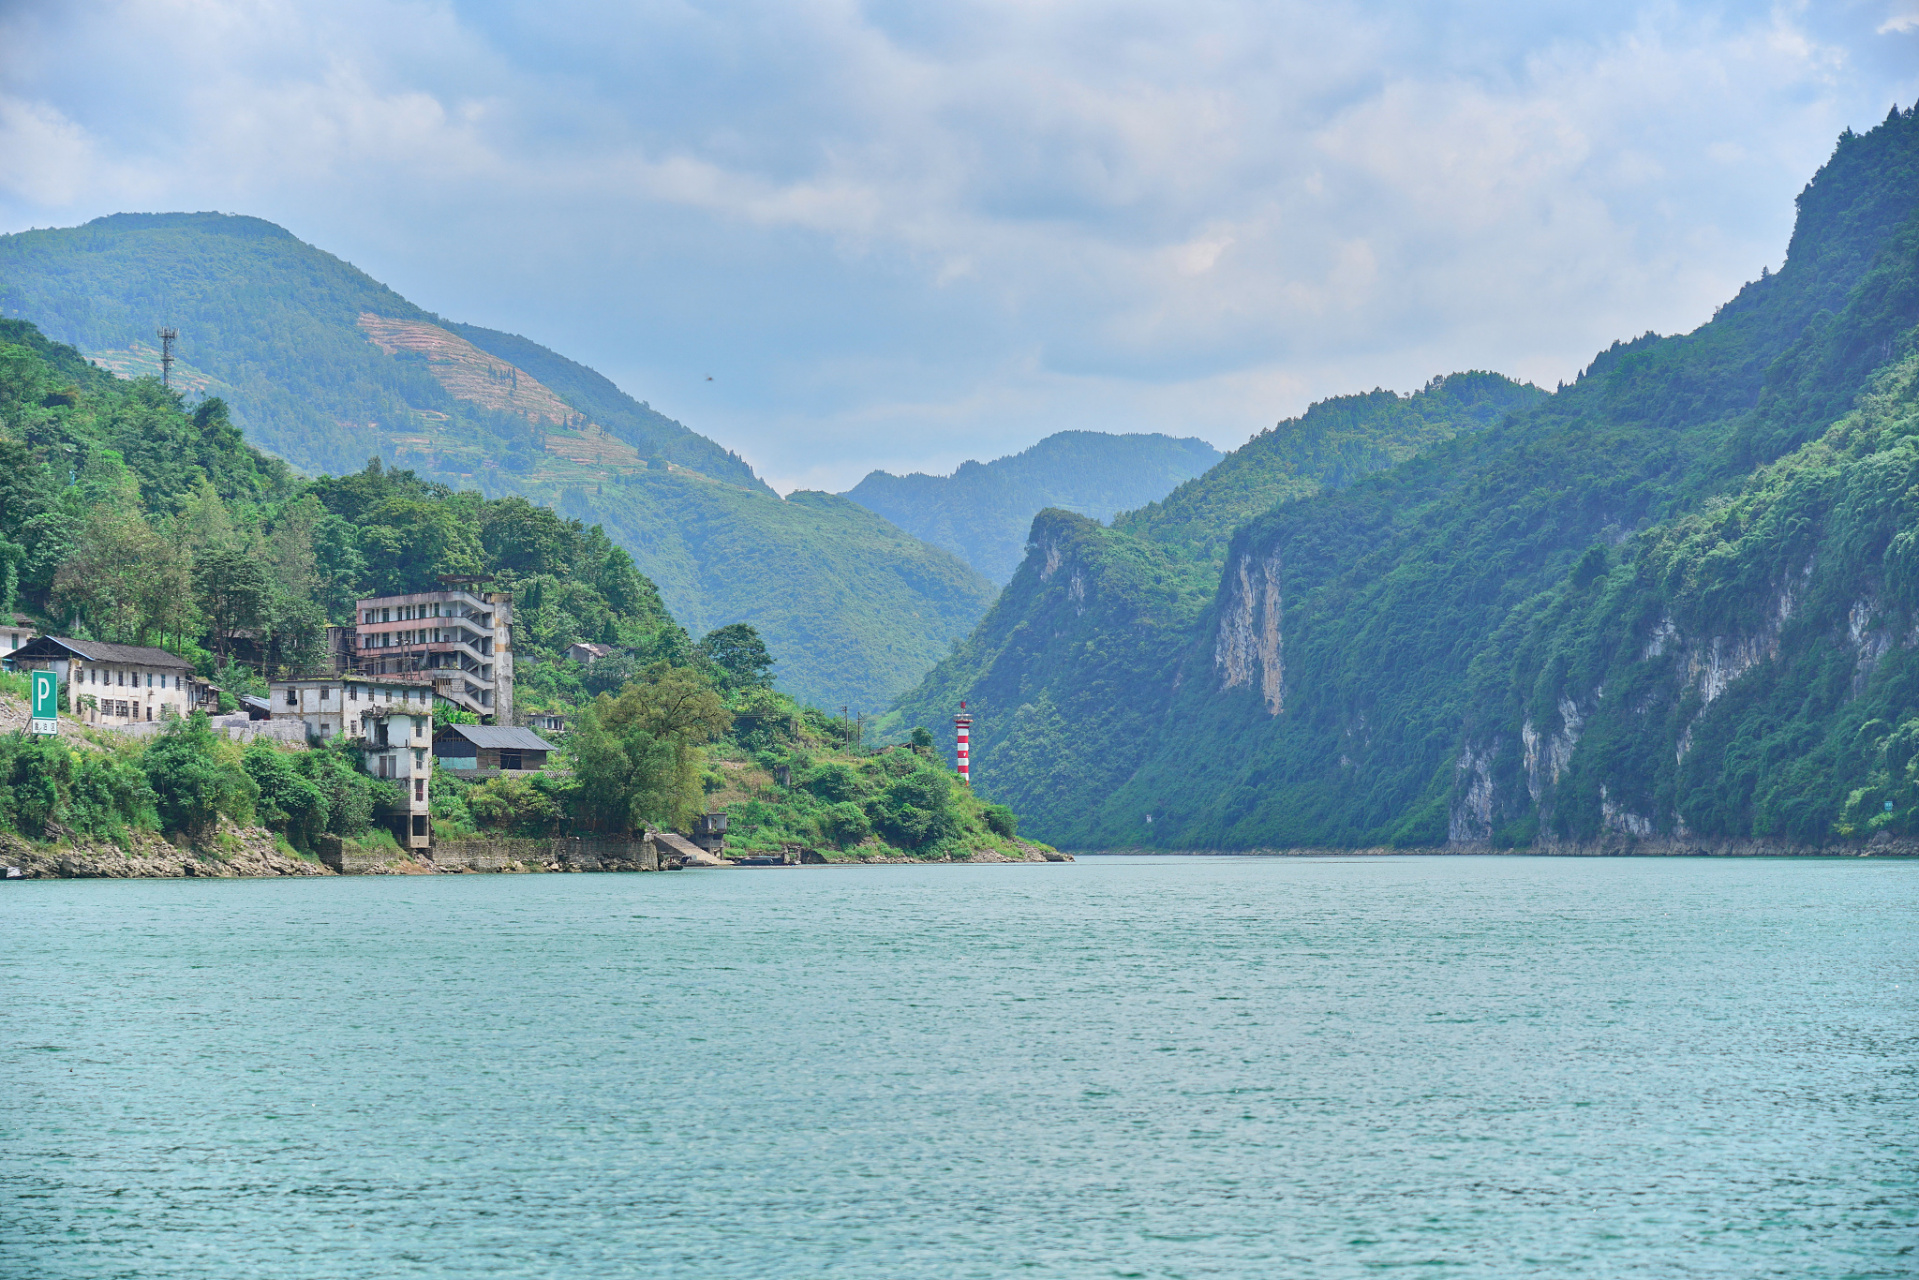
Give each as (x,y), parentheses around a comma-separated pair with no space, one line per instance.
(963,727)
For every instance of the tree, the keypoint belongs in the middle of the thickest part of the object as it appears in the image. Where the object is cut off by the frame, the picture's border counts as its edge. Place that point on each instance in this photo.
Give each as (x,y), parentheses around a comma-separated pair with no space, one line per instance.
(636,758)
(232,590)
(740,655)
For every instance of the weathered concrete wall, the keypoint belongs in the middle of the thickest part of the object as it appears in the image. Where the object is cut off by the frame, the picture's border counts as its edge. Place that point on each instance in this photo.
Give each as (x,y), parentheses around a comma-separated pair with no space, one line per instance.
(289,733)
(572,853)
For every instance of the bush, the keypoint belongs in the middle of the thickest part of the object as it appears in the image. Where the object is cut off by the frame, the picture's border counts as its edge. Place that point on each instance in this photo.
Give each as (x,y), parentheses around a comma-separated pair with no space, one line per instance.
(916,811)
(521,806)
(192,786)
(845,824)
(834,783)
(1001,820)
(44,782)
(288,802)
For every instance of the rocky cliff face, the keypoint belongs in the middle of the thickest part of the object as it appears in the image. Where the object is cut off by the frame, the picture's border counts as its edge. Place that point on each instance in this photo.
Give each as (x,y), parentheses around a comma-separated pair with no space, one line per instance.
(1249,646)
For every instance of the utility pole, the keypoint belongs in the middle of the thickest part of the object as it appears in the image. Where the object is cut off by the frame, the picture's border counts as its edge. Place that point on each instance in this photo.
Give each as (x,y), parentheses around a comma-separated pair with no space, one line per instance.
(166,356)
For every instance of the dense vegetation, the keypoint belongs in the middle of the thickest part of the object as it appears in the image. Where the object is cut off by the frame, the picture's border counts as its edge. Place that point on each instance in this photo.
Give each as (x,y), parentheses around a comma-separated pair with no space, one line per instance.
(982,511)
(1674,599)
(1084,643)
(125,517)
(856,609)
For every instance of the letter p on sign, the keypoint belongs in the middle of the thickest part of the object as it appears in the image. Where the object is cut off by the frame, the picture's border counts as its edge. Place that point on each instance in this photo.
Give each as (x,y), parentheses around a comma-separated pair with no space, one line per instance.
(46,702)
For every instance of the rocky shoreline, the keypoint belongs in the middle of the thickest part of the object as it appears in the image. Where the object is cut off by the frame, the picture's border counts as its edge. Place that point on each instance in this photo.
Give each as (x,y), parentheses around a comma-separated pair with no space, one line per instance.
(145,855)
(242,852)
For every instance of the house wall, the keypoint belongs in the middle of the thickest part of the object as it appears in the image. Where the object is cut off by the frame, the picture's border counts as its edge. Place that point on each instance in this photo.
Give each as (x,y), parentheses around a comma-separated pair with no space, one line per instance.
(392,724)
(110,694)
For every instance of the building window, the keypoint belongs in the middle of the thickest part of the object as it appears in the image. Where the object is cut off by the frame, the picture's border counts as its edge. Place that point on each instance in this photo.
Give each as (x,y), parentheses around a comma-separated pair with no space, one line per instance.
(419,824)
(509,759)
(326,693)
(419,788)
(293,698)
(149,713)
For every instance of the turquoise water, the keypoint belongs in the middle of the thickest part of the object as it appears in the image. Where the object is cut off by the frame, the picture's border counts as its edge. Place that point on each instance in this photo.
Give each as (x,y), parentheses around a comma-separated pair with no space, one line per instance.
(1121,1067)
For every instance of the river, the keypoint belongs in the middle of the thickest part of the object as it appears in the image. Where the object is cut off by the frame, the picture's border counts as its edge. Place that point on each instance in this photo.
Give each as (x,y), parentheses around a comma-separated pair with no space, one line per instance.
(1120,1067)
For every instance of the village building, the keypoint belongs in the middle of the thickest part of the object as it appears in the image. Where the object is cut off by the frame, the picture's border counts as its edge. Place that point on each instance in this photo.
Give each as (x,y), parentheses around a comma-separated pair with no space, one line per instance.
(482,750)
(547,722)
(587,654)
(456,643)
(19,631)
(113,685)
(389,721)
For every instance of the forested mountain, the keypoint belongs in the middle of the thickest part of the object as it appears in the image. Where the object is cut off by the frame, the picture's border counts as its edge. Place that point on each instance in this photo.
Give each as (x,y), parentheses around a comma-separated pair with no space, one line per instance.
(982,511)
(1676,599)
(325,367)
(129,519)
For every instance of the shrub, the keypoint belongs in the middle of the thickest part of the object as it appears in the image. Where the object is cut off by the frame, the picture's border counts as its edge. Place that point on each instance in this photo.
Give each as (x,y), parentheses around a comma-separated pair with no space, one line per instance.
(916,811)
(1001,820)
(288,803)
(519,805)
(845,824)
(834,783)
(192,785)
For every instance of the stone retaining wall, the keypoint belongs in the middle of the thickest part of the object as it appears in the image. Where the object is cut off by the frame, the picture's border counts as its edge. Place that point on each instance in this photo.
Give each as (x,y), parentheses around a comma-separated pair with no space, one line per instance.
(571,853)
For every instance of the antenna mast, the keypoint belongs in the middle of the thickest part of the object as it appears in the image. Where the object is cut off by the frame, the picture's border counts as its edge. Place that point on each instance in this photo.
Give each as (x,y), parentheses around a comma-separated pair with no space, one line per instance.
(166,356)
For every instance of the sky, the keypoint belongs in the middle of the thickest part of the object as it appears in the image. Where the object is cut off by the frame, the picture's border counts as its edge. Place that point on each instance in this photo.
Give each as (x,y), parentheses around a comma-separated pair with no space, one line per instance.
(839,236)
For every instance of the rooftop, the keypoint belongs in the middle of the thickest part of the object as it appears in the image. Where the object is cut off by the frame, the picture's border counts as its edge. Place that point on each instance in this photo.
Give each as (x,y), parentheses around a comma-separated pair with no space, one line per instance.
(129,655)
(493,737)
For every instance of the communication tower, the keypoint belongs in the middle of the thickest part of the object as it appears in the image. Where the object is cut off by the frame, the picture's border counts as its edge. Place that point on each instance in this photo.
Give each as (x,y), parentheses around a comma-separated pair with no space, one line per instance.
(166,355)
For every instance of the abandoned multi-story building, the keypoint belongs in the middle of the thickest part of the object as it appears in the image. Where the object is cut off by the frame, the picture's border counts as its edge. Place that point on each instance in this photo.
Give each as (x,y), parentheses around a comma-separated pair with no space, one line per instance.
(390,721)
(455,641)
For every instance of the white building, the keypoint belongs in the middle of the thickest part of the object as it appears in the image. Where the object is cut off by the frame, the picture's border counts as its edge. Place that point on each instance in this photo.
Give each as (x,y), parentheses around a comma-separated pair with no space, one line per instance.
(113,685)
(389,721)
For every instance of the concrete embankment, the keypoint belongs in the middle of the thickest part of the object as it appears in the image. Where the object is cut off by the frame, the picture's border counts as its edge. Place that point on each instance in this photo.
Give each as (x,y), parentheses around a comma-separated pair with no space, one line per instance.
(573,853)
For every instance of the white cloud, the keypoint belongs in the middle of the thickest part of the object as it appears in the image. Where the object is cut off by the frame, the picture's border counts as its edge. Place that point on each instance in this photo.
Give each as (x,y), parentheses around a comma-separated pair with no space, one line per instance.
(897,233)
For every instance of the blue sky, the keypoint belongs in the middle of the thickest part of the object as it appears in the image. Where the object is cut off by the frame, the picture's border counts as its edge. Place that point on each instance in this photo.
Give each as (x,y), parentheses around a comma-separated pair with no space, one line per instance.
(902,235)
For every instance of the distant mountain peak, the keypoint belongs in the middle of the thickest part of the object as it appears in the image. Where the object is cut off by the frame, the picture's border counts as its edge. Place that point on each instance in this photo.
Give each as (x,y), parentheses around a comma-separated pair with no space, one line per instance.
(981,512)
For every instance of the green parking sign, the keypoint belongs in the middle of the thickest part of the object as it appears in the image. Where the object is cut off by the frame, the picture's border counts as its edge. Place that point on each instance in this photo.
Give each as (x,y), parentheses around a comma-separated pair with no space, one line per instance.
(46,702)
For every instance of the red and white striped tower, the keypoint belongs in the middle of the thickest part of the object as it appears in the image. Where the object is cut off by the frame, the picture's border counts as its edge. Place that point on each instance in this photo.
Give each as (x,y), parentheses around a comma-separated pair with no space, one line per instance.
(963,726)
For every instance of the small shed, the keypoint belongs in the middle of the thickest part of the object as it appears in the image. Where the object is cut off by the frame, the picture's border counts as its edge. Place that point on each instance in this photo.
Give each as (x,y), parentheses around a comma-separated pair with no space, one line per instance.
(485,746)
(586,654)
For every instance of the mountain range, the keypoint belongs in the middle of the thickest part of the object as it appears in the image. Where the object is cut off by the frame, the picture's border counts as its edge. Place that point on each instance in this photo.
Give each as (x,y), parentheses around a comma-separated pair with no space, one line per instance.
(1675,601)
(982,511)
(325,367)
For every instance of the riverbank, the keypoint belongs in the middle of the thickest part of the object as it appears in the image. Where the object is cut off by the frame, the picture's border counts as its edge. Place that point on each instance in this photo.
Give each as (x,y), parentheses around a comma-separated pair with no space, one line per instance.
(253,853)
(1880,846)
(147,855)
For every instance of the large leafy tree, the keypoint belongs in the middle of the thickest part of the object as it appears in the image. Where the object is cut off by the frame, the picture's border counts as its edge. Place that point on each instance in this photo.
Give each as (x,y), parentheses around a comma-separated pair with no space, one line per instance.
(636,758)
(739,655)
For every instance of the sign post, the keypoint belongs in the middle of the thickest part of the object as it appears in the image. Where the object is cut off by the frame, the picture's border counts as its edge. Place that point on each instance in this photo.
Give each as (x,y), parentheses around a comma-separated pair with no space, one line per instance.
(46,703)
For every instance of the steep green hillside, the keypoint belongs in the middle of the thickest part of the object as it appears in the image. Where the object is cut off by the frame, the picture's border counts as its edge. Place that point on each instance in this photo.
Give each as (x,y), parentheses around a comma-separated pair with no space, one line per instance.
(326,367)
(1328,447)
(1676,599)
(981,512)
(1096,619)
